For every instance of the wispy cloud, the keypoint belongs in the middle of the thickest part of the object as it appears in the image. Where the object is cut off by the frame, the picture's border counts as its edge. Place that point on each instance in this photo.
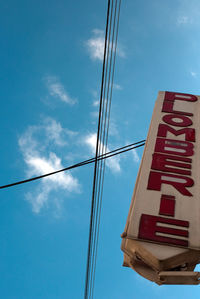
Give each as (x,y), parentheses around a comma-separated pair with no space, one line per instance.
(183,20)
(95,103)
(136,158)
(94,114)
(95,46)
(188,13)
(117,86)
(57,90)
(113,128)
(38,165)
(55,132)
(112,163)
(34,146)
(95,98)
(193,74)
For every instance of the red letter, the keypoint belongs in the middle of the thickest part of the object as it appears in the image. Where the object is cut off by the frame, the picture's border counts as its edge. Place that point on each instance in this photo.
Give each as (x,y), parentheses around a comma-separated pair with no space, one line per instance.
(189,133)
(170,98)
(162,161)
(167,205)
(149,230)
(156,179)
(174,147)
(177,120)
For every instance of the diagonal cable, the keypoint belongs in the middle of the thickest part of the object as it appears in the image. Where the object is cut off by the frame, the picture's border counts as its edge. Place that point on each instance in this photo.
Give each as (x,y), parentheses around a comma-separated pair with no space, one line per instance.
(86,162)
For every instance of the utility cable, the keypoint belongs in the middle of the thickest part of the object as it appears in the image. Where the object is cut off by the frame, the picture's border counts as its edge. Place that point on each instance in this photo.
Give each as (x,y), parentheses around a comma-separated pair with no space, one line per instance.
(99,166)
(86,162)
(93,203)
(104,141)
(101,146)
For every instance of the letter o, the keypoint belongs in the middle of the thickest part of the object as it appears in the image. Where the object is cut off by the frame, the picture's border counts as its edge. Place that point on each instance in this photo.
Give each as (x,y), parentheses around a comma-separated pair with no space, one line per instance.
(183,121)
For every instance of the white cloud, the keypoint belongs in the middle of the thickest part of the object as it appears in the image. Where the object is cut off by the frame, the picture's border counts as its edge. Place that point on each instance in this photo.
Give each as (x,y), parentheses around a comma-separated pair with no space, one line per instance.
(193,74)
(50,131)
(95,103)
(112,163)
(188,12)
(33,146)
(121,51)
(57,90)
(55,132)
(113,129)
(182,20)
(136,158)
(117,86)
(95,46)
(95,115)
(91,140)
(38,165)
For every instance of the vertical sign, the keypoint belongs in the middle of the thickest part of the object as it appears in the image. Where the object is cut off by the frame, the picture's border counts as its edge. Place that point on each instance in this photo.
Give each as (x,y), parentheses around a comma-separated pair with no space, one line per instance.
(165,208)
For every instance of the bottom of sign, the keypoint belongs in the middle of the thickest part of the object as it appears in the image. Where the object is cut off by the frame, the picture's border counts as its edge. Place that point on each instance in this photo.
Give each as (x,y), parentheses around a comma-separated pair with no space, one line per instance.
(177,269)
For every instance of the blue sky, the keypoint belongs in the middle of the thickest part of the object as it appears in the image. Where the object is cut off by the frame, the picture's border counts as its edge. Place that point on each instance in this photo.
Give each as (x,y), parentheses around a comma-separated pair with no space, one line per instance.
(51,62)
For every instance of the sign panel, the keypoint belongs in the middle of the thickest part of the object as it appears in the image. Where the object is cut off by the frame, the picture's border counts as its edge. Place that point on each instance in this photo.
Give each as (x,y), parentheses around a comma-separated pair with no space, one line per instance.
(164,216)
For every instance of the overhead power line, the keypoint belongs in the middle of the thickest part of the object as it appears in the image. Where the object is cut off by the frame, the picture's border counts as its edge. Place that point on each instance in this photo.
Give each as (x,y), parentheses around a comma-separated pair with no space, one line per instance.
(86,162)
(111,36)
